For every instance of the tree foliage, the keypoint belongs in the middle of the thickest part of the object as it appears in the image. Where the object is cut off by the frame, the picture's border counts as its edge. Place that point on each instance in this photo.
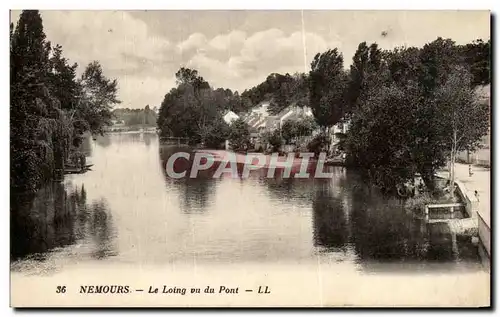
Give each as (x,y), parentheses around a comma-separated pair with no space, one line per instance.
(48,107)
(327,88)
(239,135)
(136,117)
(194,110)
(293,129)
(463,119)
(406,109)
(280,90)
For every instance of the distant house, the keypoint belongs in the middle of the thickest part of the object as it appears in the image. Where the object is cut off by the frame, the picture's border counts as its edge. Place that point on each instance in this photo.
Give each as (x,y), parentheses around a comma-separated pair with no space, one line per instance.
(117,123)
(257,117)
(336,131)
(259,120)
(271,123)
(294,112)
(230,116)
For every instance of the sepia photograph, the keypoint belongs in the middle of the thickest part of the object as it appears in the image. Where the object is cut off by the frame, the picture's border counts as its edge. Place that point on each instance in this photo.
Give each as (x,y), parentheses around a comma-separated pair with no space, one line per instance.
(250,158)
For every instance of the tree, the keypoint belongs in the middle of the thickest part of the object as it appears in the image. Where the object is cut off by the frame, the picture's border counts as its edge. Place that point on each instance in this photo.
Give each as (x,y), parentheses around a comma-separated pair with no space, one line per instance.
(380,138)
(437,60)
(363,74)
(274,139)
(98,96)
(293,129)
(327,83)
(46,103)
(29,101)
(477,56)
(194,110)
(289,130)
(190,76)
(463,119)
(414,110)
(216,135)
(239,135)
(62,78)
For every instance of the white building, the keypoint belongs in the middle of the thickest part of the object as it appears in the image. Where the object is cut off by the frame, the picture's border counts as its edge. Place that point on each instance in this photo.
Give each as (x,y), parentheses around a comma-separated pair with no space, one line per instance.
(230,116)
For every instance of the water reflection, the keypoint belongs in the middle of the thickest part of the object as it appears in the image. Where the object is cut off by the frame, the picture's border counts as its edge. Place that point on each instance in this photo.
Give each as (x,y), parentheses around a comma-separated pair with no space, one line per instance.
(329,221)
(55,218)
(129,208)
(148,138)
(103,140)
(86,146)
(194,193)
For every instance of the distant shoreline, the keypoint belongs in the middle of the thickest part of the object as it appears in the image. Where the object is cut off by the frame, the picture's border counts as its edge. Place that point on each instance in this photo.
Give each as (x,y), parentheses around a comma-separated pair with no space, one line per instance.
(131,132)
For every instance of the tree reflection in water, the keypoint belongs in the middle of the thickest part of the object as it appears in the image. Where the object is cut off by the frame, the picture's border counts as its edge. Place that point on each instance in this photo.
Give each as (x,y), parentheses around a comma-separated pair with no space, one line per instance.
(103,140)
(329,221)
(347,214)
(54,218)
(194,193)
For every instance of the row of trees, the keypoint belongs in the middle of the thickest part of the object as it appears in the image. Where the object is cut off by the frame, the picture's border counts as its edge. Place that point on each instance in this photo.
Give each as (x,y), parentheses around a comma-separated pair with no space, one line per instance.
(280,90)
(195,110)
(50,108)
(132,117)
(410,109)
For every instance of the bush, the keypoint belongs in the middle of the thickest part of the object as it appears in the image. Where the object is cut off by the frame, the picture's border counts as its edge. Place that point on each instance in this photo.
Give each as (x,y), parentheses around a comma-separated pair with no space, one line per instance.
(417,204)
(275,141)
(318,144)
(239,136)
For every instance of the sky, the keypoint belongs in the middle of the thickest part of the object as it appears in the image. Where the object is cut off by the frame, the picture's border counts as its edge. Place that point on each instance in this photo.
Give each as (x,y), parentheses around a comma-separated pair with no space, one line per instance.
(235,49)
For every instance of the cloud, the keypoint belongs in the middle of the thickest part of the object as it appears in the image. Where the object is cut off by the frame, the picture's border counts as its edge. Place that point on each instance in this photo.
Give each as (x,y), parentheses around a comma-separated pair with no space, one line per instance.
(192,43)
(107,36)
(235,51)
(125,47)
(253,58)
(232,41)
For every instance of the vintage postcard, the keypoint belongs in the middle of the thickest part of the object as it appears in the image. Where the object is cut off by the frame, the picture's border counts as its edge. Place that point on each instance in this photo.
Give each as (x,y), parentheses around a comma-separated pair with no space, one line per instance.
(250,158)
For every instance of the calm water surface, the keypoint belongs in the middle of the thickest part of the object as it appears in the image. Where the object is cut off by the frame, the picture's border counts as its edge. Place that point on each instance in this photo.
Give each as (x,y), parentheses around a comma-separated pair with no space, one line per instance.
(126,210)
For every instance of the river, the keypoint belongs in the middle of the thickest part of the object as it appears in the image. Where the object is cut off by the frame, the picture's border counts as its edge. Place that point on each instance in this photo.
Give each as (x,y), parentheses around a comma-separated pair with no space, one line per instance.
(127,211)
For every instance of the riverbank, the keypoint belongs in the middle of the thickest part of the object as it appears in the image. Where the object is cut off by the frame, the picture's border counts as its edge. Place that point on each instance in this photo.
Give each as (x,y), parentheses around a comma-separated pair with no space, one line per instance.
(478,182)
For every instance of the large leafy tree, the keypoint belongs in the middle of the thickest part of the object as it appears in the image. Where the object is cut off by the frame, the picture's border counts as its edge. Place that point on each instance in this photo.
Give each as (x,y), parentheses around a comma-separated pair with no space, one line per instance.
(327,87)
(239,135)
(98,96)
(463,119)
(62,78)
(363,74)
(292,129)
(415,109)
(381,142)
(48,106)
(477,56)
(29,101)
(194,110)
